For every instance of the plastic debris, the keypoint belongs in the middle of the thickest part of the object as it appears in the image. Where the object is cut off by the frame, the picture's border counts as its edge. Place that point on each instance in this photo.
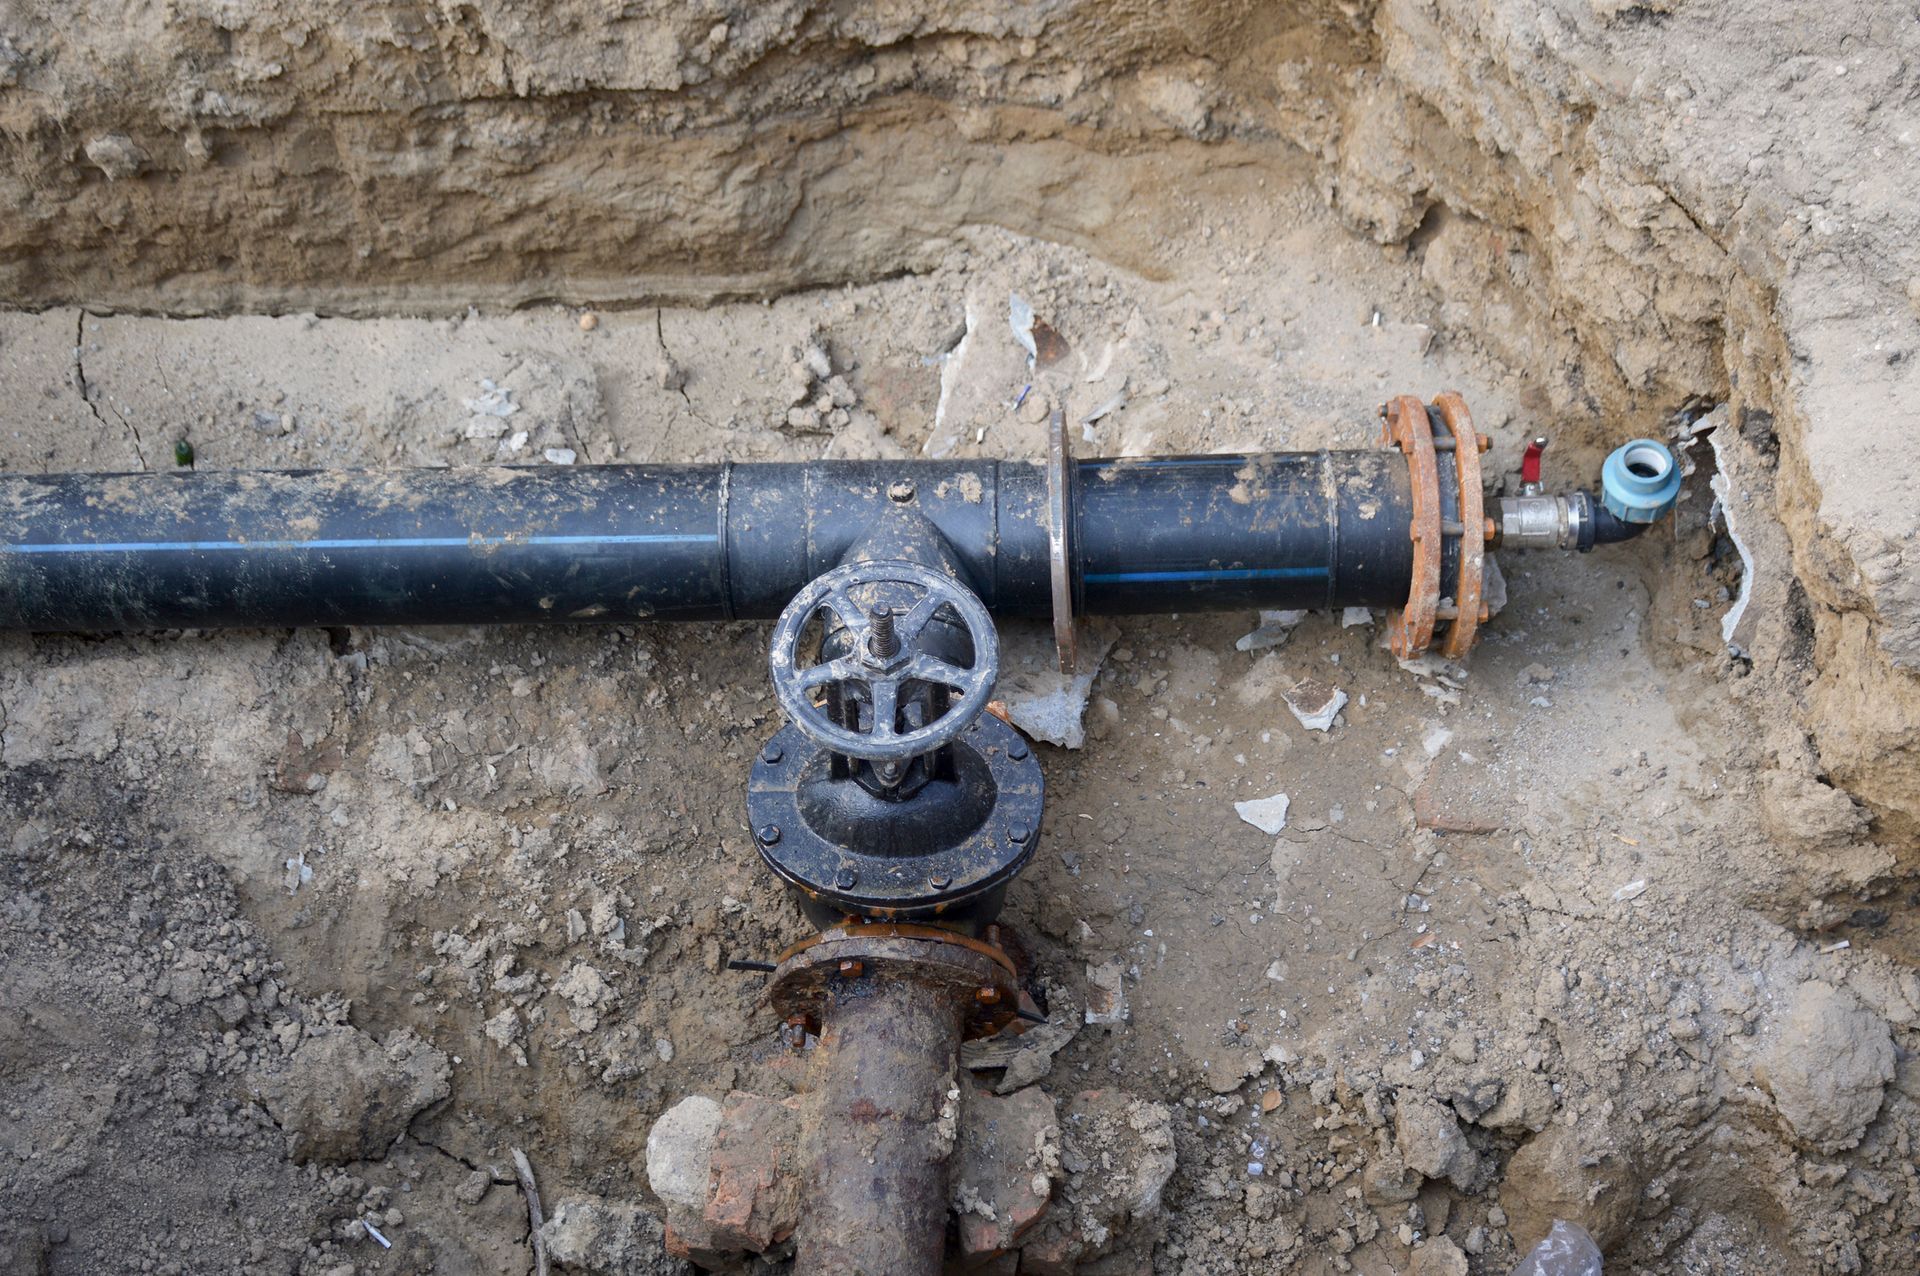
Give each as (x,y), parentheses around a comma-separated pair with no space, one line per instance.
(1268,814)
(1725,501)
(375,1233)
(1566,1250)
(1632,890)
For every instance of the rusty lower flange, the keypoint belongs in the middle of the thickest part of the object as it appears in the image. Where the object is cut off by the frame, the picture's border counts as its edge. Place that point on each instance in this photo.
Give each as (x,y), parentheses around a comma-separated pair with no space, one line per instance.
(890,1004)
(982,979)
(1410,426)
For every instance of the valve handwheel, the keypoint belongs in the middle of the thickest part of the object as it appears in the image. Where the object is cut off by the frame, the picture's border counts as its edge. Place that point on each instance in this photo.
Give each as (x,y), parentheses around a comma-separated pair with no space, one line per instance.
(885,608)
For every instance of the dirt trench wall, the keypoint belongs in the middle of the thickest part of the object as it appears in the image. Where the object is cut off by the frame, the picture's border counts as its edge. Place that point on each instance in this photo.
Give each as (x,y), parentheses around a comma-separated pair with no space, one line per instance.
(1644,200)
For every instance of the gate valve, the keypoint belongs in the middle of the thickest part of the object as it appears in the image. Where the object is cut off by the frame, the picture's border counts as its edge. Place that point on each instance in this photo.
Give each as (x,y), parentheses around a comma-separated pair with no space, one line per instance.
(885,609)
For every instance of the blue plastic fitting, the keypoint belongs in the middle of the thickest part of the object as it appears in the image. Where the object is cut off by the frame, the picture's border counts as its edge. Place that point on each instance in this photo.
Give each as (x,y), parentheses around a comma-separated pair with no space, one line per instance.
(1640,481)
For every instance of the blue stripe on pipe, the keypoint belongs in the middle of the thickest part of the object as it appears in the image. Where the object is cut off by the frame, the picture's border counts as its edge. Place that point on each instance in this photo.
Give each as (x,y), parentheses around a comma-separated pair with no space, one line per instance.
(398,542)
(1248,573)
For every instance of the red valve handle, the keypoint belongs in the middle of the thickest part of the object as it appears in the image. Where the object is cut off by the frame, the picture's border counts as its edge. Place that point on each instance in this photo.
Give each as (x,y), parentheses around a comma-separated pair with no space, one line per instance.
(1530,463)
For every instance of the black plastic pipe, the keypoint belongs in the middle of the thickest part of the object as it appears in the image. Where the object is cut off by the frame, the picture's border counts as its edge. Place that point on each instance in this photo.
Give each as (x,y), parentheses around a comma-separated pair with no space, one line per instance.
(88,552)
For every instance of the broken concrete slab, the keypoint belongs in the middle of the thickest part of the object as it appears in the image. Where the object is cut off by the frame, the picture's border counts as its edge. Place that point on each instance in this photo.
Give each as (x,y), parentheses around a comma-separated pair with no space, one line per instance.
(1275,627)
(1042,701)
(1000,1179)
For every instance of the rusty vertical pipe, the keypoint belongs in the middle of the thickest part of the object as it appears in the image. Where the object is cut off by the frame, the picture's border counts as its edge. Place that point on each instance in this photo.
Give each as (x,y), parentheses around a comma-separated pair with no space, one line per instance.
(876,1202)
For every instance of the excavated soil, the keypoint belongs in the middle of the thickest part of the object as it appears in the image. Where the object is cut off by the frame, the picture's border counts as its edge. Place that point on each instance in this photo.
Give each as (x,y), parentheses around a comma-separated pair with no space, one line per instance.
(306,931)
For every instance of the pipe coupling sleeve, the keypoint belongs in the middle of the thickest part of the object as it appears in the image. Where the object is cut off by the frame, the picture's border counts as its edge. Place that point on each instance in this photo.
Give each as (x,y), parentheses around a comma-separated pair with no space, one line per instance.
(1640,481)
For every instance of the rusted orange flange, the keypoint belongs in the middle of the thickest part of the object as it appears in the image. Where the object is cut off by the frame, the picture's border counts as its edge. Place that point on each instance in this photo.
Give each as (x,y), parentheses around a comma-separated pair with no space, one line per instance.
(1469,605)
(1408,427)
(903,930)
(978,979)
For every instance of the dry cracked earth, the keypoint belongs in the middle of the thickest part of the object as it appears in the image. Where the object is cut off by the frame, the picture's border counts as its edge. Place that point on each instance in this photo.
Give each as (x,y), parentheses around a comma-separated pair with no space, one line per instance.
(304,933)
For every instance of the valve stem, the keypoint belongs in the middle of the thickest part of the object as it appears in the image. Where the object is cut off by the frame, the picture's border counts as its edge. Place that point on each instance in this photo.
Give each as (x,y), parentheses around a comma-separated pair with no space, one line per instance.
(882,641)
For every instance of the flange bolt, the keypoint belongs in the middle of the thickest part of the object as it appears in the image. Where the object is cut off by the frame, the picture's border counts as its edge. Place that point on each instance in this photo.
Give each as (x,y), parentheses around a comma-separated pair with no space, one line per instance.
(769,834)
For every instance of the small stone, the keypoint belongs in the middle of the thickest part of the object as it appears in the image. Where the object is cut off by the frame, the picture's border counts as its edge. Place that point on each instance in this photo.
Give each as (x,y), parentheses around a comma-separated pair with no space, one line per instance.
(1268,814)
(1828,1067)
(116,155)
(595,1235)
(1429,1140)
(589,321)
(1107,993)
(560,456)
(1438,1257)
(668,375)
(679,1152)
(473,1188)
(1315,704)
(1570,1173)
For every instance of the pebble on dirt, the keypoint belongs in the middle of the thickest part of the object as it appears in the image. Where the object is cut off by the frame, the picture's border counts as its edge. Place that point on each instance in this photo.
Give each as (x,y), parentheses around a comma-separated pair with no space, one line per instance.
(1268,814)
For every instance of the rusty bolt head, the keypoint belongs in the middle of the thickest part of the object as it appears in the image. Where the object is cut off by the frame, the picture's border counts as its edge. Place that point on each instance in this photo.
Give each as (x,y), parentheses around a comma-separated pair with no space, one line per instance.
(772,753)
(770,834)
(851,969)
(939,881)
(846,879)
(901,492)
(988,996)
